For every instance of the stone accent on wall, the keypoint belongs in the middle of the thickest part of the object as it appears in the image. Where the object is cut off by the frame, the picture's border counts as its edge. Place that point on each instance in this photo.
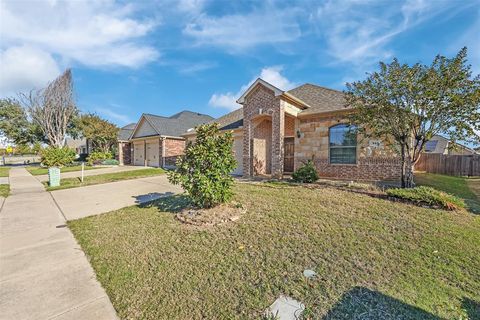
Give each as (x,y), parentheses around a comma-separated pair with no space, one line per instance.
(372,163)
(173,149)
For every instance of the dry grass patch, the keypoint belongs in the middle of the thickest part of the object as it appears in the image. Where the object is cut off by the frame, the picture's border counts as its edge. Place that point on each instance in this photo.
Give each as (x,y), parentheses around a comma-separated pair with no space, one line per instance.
(219,215)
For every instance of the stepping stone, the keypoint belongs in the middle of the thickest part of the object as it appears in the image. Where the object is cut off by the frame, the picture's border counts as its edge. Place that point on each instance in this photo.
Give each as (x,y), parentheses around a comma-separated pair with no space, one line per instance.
(285,308)
(309,273)
(3,180)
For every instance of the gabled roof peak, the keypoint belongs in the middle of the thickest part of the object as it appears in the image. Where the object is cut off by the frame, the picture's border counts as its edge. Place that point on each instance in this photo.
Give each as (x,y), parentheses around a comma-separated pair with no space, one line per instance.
(276,90)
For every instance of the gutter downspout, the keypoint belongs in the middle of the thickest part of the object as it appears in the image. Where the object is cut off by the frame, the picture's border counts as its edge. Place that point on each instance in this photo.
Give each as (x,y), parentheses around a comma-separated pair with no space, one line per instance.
(163,152)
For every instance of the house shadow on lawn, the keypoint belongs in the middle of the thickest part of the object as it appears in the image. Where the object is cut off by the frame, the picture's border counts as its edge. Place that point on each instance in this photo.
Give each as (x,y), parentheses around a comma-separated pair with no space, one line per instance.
(363,303)
(166,202)
(472,308)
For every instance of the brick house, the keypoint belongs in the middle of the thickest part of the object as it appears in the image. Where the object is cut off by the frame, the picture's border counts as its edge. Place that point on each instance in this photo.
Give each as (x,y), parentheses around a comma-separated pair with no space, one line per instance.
(275,131)
(124,153)
(156,141)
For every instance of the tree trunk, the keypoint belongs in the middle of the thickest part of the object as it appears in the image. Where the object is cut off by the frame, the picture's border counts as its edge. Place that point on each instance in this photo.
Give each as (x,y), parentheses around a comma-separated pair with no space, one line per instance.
(403,185)
(409,183)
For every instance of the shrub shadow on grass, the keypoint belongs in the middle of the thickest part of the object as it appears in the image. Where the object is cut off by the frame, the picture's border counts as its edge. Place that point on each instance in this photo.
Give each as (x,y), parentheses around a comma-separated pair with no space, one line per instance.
(363,303)
(472,308)
(168,202)
(152,196)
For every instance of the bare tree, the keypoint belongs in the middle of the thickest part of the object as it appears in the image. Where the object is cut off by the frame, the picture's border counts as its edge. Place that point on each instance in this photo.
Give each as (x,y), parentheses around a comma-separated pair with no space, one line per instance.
(53,108)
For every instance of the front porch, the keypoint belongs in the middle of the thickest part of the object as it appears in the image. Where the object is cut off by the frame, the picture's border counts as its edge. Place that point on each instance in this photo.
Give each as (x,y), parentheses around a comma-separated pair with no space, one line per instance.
(271,147)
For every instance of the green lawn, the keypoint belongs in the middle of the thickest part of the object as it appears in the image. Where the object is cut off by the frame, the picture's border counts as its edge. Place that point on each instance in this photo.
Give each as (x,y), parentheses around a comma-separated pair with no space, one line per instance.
(462,187)
(104,178)
(4,171)
(375,259)
(37,171)
(4,190)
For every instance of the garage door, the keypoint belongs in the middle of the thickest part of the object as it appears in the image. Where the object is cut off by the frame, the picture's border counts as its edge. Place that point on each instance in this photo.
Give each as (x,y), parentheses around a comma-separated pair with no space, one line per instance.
(152,154)
(238,151)
(138,152)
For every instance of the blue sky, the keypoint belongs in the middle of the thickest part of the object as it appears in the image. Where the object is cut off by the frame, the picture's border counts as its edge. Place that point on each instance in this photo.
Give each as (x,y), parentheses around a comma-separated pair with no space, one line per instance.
(162,57)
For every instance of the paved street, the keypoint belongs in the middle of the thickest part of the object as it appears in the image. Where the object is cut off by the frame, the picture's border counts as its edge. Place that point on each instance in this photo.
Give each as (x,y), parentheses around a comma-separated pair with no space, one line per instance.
(44,274)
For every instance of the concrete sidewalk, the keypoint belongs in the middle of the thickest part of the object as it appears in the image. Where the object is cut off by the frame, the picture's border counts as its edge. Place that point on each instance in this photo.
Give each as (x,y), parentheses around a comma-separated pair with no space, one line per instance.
(80,202)
(44,274)
(93,172)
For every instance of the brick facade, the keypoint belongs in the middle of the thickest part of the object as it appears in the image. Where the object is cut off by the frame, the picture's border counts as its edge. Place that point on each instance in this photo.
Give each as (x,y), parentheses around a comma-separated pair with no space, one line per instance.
(173,149)
(265,125)
(262,102)
(124,153)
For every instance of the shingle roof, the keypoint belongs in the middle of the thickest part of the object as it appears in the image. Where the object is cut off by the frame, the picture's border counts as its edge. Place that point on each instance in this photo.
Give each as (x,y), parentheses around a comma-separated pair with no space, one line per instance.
(125,132)
(320,99)
(230,121)
(75,143)
(177,124)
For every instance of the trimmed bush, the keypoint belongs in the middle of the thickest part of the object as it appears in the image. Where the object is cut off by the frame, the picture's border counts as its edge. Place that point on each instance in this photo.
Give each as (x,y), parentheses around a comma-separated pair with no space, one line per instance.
(98,157)
(204,172)
(307,173)
(428,196)
(57,157)
(110,162)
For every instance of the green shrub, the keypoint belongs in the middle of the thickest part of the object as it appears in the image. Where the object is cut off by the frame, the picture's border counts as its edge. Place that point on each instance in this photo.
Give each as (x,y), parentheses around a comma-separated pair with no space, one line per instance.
(97,157)
(428,196)
(307,173)
(57,157)
(204,172)
(110,162)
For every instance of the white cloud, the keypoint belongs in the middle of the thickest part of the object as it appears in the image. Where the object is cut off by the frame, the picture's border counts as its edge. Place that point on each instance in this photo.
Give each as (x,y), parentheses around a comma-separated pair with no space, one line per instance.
(193,68)
(270,74)
(25,67)
(224,100)
(92,33)
(357,32)
(238,32)
(190,6)
(118,117)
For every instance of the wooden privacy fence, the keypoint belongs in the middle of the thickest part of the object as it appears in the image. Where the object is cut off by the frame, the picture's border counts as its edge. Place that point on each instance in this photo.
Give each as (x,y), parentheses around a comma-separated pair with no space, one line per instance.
(452,165)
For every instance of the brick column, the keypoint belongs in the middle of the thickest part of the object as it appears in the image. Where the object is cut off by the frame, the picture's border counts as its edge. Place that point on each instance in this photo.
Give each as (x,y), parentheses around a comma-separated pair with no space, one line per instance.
(247,146)
(278,135)
(120,153)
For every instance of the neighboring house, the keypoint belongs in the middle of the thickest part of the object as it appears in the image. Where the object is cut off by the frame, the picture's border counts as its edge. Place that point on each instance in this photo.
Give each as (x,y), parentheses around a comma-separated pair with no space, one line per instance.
(156,141)
(442,145)
(124,146)
(276,131)
(81,146)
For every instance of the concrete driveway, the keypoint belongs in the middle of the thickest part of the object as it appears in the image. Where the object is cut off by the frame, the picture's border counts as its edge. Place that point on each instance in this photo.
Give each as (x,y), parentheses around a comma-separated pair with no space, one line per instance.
(94,172)
(81,202)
